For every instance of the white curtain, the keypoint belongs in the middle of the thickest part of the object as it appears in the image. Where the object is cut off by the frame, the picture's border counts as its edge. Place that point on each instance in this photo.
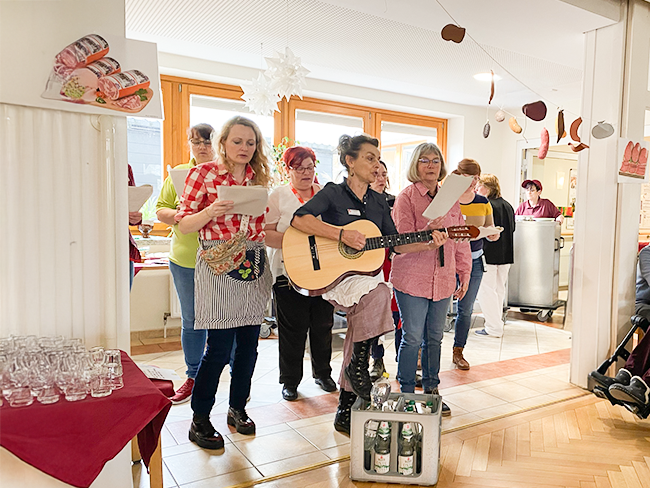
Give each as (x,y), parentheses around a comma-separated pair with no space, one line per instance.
(64,248)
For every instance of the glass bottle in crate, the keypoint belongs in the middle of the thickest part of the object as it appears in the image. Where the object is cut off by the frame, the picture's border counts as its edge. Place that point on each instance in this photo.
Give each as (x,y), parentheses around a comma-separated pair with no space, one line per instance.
(380,392)
(406,446)
(369,443)
(382,448)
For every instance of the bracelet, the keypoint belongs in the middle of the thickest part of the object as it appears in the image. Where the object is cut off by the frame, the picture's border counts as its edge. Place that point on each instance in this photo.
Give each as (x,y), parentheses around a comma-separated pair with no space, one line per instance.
(341,236)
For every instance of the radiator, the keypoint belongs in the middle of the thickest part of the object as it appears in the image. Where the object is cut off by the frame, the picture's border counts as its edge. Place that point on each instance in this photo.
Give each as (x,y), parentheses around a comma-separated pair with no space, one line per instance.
(174,303)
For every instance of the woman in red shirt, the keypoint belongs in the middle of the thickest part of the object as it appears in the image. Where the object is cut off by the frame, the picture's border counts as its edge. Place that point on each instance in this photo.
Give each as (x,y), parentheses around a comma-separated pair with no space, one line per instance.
(232,278)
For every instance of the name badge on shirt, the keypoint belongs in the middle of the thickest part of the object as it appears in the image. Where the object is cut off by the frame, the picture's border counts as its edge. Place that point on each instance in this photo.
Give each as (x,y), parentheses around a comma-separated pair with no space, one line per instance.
(354,211)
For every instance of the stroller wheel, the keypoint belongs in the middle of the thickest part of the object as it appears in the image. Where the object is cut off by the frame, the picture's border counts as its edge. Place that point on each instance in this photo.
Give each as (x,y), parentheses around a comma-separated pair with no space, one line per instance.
(265,330)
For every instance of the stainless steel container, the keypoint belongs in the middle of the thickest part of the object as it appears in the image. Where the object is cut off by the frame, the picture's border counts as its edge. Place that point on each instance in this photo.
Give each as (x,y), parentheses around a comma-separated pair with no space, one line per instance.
(535,275)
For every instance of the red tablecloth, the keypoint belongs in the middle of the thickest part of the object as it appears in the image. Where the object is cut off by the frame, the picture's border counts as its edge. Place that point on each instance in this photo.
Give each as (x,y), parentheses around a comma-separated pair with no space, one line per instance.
(72,441)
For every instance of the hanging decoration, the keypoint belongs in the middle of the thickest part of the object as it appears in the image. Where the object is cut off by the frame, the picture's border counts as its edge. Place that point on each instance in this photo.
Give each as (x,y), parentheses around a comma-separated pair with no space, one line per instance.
(514,126)
(500,116)
(535,111)
(491,87)
(559,125)
(602,130)
(260,98)
(634,160)
(543,147)
(573,132)
(486,129)
(286,73)
(453,32)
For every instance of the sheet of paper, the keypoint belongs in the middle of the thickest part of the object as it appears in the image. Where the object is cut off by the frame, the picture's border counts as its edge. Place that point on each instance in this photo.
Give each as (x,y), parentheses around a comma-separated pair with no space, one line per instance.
(249,200)
(138,195)
(489,231)
(178,179)
(448,194)
(159,373)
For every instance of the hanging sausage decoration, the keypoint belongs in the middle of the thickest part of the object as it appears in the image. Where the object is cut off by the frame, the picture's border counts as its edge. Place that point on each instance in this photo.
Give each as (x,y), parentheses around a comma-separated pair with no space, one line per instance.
(559,125)
(500,116)
(602,130)
(535,111)
(514,126)
(453,32)
(543,147)
(486,129)
(573,132)
(491,87)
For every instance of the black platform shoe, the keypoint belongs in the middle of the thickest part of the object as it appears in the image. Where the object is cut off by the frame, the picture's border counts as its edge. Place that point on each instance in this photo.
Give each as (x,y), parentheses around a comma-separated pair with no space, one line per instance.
(343,412)
(241,421)
(623,377)
(203,433)
(357,371)
(636,392)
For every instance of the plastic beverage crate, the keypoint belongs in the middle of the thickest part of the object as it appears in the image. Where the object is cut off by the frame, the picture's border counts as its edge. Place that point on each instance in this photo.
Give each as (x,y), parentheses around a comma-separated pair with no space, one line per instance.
(430,440)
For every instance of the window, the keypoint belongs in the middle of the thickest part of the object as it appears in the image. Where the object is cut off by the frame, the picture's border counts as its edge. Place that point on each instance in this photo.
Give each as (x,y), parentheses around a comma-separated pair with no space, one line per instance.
(144,146)
(321,132)
(397,144)
(217,111)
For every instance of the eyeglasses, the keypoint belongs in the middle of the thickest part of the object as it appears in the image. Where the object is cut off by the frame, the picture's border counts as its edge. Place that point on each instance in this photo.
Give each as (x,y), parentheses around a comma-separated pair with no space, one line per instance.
(301,170)
(428,161)
(198,142)
(531,189)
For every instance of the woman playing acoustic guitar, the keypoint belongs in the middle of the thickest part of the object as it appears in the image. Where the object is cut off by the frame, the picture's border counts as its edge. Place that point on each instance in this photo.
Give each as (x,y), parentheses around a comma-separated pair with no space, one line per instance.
(365,299)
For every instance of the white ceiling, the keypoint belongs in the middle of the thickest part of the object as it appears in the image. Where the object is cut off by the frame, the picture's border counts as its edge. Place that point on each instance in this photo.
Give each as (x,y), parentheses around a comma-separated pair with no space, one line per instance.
(392,45)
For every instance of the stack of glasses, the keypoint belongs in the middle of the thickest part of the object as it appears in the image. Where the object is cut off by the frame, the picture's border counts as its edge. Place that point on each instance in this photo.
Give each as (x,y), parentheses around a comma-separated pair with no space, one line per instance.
(44,368)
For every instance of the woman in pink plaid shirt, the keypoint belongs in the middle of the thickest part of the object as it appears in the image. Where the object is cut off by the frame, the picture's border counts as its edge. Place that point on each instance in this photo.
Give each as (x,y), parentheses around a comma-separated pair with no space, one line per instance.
(230,301)
(425,281)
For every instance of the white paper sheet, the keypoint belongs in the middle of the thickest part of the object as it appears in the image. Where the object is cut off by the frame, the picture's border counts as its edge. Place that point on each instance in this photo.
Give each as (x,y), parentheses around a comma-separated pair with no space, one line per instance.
(249,200)
(138,195)
(448,194)
(158,373)
(489,231)
(178,179)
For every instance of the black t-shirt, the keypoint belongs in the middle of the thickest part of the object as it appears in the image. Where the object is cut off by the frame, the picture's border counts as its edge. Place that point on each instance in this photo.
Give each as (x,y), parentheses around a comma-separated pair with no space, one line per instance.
(501,251)
(338,205)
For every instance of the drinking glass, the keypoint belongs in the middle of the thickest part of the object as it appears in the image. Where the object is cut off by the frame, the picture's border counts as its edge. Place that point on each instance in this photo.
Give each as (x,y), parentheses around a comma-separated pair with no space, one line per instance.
(100,382)
(114,365)
(77,388)
(19,396)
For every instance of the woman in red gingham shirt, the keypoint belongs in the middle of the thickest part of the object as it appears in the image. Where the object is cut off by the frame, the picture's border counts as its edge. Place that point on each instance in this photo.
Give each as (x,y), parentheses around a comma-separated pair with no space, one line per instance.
(230,305)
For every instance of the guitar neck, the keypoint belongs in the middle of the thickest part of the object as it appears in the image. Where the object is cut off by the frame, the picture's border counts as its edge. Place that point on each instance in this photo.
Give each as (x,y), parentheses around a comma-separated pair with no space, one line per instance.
(398,239)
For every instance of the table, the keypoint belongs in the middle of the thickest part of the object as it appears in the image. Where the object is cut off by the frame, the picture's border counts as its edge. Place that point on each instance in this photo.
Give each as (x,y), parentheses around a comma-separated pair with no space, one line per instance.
(71,441)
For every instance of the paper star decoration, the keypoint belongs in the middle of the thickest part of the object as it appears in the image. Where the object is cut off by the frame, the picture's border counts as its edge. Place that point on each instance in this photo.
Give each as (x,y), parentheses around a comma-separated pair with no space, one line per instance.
(260,97)
(286,73)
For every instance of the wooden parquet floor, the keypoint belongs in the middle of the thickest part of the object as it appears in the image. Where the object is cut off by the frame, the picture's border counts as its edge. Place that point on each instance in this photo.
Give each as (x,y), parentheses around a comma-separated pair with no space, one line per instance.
(580,443)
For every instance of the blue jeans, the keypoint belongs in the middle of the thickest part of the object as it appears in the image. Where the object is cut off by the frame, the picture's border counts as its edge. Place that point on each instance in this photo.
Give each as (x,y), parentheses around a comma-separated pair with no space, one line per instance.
(131,274)
(193,341)
(423,323)
(217,355)
(466,305)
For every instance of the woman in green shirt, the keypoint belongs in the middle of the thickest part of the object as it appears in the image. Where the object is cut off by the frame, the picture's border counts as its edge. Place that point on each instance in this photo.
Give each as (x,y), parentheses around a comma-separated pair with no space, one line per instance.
(182,259)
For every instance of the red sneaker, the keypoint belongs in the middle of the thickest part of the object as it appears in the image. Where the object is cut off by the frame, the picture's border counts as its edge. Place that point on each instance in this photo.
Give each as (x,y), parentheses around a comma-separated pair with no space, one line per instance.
(184,393)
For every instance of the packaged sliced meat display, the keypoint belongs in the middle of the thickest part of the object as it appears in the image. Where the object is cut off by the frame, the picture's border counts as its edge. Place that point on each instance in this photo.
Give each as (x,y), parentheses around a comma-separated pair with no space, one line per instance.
(83,82)
(132,102)
(123,84)
(80,53)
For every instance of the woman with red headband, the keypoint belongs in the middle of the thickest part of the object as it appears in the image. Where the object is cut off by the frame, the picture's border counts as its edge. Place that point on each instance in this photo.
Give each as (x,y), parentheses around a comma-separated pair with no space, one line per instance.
(297,315)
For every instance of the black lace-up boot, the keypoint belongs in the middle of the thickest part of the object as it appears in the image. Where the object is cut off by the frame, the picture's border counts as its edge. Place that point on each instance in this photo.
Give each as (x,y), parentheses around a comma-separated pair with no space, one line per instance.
(357,371)
(343,412)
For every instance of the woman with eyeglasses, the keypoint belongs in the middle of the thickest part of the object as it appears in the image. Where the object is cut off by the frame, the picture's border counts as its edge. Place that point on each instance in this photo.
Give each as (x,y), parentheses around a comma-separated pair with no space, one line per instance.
(232,281)
(424,282)
(298,315)
(182,258)
(365,299)
(477,211)
(535,205)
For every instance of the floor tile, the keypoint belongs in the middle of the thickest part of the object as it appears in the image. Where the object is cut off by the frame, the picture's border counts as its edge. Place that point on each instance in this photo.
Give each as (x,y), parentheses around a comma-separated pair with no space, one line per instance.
(141,477)
(319,419)
(290,464)
(323,436)
(275,447)
(338,451)
(510,391)
(473,400)
(228,479)
(203,464)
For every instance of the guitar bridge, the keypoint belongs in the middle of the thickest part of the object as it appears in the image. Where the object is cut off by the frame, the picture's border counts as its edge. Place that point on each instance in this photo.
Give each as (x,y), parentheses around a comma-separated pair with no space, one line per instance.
(314,253)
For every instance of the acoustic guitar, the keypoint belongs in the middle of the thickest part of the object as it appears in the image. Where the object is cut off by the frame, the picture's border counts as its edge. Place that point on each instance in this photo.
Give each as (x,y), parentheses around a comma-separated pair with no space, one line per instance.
(315,264)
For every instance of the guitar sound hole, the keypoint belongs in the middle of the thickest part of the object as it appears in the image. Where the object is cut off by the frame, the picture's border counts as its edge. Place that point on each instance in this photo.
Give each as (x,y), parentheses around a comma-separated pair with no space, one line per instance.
(349,252)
